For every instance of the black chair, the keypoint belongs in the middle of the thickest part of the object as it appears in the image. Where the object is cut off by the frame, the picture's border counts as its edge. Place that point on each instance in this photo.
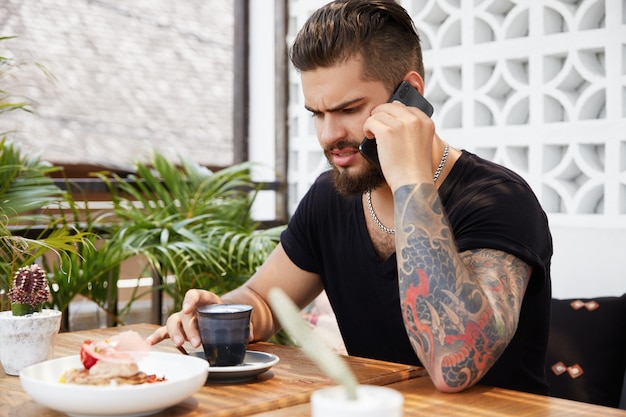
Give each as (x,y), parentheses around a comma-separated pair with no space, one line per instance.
(586,358)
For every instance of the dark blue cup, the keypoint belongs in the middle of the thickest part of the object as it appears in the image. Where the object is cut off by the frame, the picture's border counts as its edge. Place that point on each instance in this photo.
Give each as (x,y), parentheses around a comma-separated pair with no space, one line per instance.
(224,330)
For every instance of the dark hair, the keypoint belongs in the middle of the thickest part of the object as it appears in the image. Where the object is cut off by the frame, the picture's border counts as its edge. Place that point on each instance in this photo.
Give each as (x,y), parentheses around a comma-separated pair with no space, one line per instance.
(381,31)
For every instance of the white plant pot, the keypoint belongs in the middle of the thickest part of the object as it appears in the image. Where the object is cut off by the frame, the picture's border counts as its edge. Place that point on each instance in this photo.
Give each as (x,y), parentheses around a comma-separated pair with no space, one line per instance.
(27,340)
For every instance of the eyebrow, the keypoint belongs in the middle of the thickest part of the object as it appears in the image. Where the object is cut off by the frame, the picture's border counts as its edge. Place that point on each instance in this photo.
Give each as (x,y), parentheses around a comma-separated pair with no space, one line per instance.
(338,107)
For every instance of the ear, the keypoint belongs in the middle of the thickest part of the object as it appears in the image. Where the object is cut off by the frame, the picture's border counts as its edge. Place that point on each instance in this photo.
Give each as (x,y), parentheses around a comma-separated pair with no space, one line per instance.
(415,80)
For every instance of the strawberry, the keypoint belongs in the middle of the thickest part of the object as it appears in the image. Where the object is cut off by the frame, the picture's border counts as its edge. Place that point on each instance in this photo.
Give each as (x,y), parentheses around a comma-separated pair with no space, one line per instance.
(85,357)
(126,347)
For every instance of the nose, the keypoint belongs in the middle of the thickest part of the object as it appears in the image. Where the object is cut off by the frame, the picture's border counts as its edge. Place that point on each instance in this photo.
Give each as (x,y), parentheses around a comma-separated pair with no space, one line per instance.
(330,129)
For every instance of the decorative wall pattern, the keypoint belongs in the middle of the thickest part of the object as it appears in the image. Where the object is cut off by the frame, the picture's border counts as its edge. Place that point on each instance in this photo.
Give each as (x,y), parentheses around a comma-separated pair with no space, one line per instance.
(538,86)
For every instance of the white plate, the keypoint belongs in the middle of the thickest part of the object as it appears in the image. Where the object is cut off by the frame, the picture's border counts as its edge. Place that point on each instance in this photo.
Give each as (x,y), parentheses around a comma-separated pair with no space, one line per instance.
(254,363)
(184,376)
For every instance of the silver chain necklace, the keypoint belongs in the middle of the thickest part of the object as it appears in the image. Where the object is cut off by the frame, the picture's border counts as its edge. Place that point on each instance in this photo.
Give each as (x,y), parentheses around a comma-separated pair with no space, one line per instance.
(368,193)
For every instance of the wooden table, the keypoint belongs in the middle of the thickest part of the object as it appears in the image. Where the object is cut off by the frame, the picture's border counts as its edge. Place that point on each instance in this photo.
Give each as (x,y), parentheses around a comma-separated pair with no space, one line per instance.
(288,383)
(421,399)
(285,389)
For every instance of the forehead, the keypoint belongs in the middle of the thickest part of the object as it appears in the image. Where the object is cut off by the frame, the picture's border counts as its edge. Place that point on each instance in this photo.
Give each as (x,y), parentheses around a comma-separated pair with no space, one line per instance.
(327,87)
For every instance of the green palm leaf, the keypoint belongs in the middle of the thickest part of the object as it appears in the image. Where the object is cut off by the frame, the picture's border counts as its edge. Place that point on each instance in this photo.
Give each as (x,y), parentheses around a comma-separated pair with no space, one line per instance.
(191,223)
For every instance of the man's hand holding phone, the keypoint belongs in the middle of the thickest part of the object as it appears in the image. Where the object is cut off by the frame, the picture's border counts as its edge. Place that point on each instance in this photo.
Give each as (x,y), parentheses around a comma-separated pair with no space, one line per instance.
(387,116)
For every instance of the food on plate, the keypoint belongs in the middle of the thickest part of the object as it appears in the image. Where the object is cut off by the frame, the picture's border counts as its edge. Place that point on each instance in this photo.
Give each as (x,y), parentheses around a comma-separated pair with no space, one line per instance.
(112,361)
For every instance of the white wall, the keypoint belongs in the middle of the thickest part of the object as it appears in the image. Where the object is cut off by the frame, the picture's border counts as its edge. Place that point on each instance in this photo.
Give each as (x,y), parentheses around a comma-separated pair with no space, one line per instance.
(262,107)
(589,261)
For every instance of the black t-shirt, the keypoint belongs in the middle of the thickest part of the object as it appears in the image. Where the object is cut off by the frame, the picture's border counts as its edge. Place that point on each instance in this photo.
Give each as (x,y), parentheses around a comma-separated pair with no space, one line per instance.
(488,206)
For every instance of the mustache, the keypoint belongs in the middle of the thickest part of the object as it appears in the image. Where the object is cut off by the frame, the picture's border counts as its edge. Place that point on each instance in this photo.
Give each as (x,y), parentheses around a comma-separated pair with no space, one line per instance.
(342,144)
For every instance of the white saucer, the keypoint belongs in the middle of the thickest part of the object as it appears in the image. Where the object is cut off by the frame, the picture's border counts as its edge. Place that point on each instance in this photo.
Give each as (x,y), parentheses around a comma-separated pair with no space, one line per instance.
(254,363)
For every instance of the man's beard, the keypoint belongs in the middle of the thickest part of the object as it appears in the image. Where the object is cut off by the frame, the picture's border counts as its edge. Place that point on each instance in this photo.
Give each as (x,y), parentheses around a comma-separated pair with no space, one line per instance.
(355,184)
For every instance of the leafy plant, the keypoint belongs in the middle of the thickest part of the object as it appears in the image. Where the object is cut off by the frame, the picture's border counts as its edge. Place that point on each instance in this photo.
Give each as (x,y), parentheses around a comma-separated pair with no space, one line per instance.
(26,231)
(25,189)
(192,224)
(93,270)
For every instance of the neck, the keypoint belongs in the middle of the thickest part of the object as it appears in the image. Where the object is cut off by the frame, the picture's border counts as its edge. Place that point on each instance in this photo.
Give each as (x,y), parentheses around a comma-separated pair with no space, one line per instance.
(439,147)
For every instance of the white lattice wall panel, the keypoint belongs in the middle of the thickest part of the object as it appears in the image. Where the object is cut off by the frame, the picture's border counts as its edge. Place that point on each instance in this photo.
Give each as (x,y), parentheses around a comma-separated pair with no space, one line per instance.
(538,86)
(306,160)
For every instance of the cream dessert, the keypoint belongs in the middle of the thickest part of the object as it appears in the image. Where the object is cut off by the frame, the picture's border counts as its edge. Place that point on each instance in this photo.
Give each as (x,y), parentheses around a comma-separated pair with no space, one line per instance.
(112,361)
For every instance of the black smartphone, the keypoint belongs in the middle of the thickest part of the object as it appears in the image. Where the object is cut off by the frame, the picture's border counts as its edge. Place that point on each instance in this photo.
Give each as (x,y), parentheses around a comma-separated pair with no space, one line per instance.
(408,95)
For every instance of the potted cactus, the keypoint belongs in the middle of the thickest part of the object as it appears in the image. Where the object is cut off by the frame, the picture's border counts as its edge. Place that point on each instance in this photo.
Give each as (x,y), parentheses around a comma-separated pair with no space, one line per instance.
(28,330)
(29,291)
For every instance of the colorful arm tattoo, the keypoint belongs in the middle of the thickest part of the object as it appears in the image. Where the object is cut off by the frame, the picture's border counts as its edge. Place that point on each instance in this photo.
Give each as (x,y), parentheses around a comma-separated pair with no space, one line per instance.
(460,310)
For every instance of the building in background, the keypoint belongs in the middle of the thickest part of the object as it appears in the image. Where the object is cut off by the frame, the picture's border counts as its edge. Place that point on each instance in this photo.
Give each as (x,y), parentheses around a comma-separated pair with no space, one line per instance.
(128,77)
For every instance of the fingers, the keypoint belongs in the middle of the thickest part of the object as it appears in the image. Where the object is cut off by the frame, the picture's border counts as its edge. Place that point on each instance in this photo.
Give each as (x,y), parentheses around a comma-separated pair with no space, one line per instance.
(398,109)
(404,138)
(389,119)
(183,325)
(159,335)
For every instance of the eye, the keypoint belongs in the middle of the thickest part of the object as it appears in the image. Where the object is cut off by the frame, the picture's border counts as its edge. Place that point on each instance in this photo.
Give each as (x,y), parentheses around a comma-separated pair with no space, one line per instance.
(352,110)
(316,114)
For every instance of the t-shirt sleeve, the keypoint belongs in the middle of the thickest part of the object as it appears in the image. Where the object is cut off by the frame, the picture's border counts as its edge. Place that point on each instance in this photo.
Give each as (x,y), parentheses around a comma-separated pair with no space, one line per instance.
(506,216)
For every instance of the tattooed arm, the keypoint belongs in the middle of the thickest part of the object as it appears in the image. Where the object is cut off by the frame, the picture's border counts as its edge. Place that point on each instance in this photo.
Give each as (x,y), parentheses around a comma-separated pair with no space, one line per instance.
(460,309)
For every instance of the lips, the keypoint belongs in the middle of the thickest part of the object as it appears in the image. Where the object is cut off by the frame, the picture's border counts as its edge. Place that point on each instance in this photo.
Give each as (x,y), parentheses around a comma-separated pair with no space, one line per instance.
(344,157)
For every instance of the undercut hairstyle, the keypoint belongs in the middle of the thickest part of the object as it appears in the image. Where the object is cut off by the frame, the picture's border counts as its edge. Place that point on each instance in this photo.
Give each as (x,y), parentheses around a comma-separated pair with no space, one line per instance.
(380,31)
